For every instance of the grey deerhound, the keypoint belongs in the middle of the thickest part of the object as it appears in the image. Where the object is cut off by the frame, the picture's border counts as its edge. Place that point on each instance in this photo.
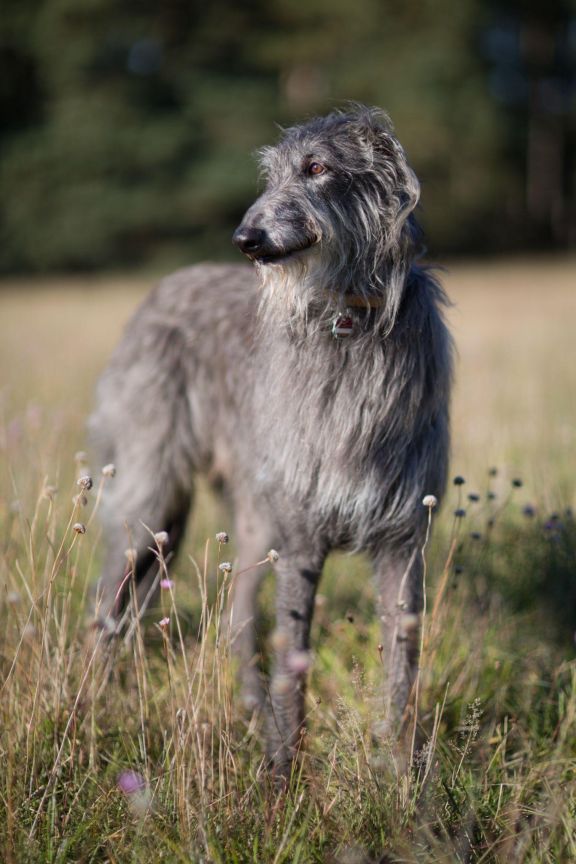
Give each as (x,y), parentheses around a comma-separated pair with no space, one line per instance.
(314,385)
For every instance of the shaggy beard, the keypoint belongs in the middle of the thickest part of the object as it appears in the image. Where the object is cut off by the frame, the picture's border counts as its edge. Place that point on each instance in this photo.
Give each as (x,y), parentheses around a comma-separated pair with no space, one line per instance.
(300,294)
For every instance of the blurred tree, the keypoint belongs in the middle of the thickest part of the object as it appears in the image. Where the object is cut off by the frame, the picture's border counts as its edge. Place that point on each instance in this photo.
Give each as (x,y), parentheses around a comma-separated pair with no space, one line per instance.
(531,52)
(127,129)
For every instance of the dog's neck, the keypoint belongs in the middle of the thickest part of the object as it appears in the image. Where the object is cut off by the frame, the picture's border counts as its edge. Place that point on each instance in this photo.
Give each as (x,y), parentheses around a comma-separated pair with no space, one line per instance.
(353,300)
(297,297)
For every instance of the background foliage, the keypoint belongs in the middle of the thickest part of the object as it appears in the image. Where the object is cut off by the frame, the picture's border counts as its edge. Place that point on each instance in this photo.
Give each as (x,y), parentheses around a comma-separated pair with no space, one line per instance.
(128,129)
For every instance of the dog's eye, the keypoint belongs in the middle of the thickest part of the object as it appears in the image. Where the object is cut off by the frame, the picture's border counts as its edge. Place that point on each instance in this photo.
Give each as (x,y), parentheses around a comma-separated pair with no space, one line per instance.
(315,169)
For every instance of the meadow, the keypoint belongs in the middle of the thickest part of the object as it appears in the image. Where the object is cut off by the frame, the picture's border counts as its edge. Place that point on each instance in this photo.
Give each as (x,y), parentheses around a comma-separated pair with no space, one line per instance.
(147,755)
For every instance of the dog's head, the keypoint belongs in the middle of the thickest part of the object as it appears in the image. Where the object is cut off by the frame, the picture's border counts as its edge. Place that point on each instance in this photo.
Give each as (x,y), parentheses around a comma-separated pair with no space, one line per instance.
(339,193)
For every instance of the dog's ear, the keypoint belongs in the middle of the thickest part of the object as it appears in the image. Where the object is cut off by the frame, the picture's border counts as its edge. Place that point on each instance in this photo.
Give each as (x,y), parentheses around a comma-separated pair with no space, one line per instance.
(395,241)
(388,149)
(375,130)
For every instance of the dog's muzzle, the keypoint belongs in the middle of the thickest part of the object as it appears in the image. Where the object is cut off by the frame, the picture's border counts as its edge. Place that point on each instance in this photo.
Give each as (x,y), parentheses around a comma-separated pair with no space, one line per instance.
(250,241)
(256,245)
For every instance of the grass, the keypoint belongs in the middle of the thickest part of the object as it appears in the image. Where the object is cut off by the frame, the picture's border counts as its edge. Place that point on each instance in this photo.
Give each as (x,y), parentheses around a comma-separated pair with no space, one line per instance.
(494,773)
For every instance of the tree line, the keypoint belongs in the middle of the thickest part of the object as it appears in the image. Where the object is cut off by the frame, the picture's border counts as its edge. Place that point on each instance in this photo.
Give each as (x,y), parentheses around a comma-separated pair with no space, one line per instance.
(128,130)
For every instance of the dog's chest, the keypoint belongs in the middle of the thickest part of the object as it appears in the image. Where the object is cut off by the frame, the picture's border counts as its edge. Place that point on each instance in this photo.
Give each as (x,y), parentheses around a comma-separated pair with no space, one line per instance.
(323,438)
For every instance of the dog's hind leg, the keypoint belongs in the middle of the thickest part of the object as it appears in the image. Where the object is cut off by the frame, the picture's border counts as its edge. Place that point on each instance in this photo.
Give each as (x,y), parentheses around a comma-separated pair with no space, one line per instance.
(399,600)
(143,426)
(132,513)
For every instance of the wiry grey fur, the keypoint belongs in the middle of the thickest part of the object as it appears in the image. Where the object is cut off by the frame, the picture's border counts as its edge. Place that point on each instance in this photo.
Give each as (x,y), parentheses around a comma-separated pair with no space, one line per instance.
(321,443)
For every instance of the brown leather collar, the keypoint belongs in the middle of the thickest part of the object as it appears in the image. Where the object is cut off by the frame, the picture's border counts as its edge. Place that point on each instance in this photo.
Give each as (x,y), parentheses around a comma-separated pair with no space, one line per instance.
(355,300)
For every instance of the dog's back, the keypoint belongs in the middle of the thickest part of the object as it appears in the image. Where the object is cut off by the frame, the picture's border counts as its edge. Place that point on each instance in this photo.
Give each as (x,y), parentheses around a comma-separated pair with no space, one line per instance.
(162,405)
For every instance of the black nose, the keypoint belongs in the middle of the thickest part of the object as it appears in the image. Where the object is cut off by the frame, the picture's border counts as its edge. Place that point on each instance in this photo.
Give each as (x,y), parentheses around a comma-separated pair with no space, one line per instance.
(249,240)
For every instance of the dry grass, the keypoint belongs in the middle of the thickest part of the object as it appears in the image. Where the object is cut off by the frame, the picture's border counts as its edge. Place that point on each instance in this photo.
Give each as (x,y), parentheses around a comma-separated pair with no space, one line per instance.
(514,326)
(495,773)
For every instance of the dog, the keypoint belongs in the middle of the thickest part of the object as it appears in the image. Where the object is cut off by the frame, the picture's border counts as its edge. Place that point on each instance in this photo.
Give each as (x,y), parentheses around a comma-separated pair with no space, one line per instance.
(313,386)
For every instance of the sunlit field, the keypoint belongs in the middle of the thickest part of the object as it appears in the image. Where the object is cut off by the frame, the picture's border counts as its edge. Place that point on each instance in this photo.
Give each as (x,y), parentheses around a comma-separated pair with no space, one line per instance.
(142,752)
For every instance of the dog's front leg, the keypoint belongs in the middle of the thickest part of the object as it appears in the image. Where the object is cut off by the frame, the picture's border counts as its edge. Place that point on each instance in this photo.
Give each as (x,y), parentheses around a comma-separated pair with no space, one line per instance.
(399,599)
(297,580)
(255,539)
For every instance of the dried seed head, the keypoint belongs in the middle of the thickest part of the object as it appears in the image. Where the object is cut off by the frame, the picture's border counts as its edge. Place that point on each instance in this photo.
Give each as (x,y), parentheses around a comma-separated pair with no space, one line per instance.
(282,685)
(28,632)
(279,640)
(272,556)
(225,567)
(250,702)
(222,537)
(473,496)
(492,472)
(459,513)
(430,501)
(81,457)
(384,730)
(161,538)
(49,492)
(131,555)
(109,470)
(79,528)
(80,500)
(85,482)
(108,624)
(517,482)
(529,511)
(475,535)
(458,480)
(409,625)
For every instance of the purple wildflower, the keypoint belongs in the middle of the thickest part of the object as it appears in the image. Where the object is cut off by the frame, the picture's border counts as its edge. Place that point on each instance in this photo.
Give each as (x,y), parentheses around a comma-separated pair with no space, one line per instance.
(130,782)
(137,791)
(299,662)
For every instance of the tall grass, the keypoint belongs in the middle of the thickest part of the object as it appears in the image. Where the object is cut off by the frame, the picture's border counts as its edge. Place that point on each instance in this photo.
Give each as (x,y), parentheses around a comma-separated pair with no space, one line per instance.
(139,750)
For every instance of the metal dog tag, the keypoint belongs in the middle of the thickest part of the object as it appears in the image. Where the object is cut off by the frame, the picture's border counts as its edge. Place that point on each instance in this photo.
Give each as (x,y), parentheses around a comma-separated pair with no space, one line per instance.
(342,326)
